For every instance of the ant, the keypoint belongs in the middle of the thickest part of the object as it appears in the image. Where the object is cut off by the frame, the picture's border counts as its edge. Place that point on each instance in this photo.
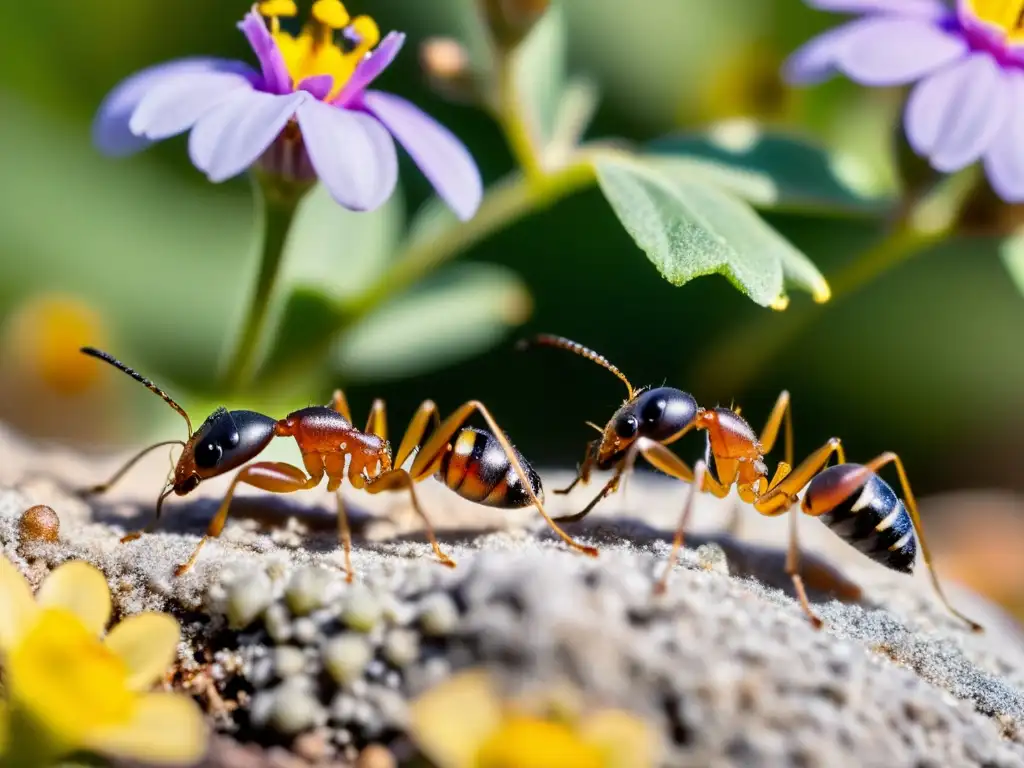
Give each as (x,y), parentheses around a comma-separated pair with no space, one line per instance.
(481,466)
(851,499)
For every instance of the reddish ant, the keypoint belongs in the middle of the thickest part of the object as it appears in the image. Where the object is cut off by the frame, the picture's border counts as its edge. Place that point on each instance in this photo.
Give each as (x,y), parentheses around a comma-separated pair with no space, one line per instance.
(851,499)
(480,466)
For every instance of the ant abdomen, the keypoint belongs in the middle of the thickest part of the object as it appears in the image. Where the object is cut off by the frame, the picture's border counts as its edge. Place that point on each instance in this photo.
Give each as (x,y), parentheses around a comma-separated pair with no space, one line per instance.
(866,513)
(477,469)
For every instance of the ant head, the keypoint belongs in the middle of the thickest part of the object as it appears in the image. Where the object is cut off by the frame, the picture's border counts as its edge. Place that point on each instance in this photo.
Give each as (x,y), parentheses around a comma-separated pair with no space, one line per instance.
(658,414)
(226,440)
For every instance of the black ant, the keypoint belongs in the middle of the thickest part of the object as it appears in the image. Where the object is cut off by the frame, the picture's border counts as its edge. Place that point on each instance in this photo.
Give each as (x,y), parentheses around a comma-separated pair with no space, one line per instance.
(483,467)
(851,499)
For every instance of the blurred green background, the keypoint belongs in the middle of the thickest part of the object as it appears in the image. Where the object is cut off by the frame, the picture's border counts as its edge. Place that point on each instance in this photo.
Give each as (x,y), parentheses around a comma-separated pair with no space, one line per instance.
(927,361)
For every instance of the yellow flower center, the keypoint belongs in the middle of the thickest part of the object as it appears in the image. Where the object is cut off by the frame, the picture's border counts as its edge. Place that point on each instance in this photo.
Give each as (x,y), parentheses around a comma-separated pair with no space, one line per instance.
(524,742)
(1006,14)
(331,43)
(67,679)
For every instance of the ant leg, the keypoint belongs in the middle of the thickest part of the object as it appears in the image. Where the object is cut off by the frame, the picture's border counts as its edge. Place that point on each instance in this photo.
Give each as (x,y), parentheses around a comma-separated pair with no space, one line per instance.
(377,423)
(582,470)
(434,449)
(399,478)
(782,493)
(793,569)
(340,403)
(104,487)
(345,534)
(273,476)
(333,464)
(700,474)
(657,455)
(915,517)
(781,416)
(417,428)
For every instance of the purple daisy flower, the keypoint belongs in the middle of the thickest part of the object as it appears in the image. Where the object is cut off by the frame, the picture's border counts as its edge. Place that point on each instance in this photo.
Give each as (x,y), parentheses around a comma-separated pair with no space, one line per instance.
(967,66)
(308,112)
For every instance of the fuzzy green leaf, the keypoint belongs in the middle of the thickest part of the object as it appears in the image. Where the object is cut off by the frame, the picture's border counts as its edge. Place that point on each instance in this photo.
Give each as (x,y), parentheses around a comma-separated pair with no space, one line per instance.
(1012,252)
(774,170)
(339,250)
(540,70)
(460,311)
(689,228)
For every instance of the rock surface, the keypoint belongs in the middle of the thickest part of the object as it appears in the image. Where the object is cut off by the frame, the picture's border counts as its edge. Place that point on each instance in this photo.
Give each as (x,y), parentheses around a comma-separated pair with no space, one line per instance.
(285,655)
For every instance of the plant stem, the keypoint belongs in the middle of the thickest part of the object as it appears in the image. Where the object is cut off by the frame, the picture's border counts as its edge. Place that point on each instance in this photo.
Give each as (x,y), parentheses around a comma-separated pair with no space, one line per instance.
(514,123)
(275,212)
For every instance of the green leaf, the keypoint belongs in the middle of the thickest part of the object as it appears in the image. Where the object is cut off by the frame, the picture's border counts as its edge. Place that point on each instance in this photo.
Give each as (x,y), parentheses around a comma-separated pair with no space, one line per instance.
(1012,252)
(690,228)
(340,251)
(460,311)
(540,70)
(775,170)
(309,319)
(432,219)
(576,109)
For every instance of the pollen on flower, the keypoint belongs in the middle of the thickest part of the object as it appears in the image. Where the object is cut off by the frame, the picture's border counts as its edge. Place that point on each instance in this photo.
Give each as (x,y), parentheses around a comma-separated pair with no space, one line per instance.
(330,13)
(331,42)
(1005,14)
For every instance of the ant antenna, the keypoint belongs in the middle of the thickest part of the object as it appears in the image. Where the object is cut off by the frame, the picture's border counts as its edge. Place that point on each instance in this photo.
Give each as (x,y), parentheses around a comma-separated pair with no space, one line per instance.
(141,379)
(560,342)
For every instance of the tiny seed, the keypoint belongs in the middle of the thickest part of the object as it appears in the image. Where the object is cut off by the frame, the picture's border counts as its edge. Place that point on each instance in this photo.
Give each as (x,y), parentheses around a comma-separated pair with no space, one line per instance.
(38,523)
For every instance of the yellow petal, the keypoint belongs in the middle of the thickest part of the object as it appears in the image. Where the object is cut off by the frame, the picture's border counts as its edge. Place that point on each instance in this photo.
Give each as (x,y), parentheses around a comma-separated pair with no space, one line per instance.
(147,643)
(530,742)
(451,721)
(17,608)
(81,589)
(165,728)
(66,679)
(628,741)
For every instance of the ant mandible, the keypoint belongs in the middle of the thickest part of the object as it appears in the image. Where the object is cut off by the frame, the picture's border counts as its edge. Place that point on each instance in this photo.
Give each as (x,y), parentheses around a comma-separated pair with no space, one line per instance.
(483,467)
(851,499)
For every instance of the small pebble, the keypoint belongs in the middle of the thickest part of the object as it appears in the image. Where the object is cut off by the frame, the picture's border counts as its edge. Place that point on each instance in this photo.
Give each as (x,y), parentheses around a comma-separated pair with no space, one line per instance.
(711,557)
(343,708)
(376,756)
(262,672)
(346,657)
(401,647)
(307,590)
(247,599)
(260,708)
(362,609)
(38,523)
(277,623)
(294,709)
(304,631)
(289,661)
(438,615)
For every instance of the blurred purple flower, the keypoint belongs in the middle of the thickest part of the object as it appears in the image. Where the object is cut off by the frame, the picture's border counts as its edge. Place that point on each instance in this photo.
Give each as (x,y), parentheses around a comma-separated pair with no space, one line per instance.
(306,113)
(967,64)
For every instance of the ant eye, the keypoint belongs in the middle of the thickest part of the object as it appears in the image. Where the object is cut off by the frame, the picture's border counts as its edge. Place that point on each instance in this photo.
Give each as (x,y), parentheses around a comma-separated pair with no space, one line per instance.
(627,427)
(207,455)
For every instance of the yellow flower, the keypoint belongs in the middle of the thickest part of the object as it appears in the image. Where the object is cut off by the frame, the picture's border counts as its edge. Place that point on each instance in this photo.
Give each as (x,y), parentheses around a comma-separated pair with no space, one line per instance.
(45,334)
(83,691)
(462,723)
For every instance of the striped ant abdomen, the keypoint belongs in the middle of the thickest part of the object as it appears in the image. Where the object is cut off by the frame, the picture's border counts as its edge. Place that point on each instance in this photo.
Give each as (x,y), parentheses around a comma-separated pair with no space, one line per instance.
(864,510)
(477,468)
